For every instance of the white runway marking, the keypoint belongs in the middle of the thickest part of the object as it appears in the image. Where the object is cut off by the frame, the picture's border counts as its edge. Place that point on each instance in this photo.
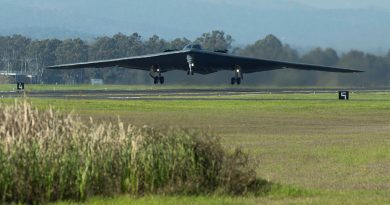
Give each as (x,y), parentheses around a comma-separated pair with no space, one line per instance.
(8,91)
(124,97)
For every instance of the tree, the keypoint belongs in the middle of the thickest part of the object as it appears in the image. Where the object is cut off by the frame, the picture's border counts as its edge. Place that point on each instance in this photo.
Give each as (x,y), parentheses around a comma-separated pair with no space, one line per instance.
(357,60)
(320,56)
(216,40)
(14,52)
(272,48)
(72,51)
(179,43)
(118,46)
(136,45)
(155,44)
(21,53)
(49,58)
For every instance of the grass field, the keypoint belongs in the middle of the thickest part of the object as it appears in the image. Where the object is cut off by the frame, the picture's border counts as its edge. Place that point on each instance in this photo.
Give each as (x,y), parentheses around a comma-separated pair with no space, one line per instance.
(337,151)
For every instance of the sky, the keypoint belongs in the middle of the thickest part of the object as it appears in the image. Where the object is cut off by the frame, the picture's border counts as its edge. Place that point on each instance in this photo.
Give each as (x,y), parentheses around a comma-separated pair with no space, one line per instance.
(340,24)
(322,4)
(349,4)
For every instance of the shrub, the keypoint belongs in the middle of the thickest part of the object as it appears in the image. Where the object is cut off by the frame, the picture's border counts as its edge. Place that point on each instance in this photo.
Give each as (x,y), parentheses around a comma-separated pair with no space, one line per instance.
(6,79)
(48,156)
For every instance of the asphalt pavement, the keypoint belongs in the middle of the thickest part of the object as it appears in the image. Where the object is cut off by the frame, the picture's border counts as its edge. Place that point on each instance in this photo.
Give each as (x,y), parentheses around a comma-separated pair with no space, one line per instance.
(169,94)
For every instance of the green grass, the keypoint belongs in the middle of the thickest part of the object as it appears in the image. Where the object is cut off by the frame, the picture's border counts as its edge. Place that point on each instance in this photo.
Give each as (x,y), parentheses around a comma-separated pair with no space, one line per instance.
(328,198)
(336,150)
(339,198)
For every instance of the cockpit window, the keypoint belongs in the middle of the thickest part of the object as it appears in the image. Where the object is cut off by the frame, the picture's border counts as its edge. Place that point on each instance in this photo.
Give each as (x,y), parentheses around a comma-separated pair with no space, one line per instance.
(193,46)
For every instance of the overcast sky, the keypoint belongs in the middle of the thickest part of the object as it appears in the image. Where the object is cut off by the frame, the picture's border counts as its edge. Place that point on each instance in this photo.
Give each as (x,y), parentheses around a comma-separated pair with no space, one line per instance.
(338,24)
(383,4)
(323,4)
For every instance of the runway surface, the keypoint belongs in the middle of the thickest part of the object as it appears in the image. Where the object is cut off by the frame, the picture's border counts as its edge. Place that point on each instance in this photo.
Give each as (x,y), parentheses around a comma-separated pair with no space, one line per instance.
(172,94)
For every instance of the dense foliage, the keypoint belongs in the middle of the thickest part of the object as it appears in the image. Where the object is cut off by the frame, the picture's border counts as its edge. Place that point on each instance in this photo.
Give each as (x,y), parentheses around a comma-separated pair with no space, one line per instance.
(47,156)
(20,53)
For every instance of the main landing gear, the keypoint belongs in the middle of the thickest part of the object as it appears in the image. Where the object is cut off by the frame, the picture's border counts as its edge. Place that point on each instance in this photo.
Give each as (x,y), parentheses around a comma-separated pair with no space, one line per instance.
(235,80)
(238,77)
(159,79)
(155,73)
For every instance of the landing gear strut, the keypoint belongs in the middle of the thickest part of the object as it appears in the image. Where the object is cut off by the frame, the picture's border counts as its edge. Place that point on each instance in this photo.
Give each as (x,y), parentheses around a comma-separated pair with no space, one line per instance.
(190,72)
(237,76)
(191,65)
(155,73)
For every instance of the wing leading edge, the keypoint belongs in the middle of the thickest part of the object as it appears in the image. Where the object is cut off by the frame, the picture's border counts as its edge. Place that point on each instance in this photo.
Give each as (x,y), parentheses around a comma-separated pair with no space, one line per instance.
(167,60)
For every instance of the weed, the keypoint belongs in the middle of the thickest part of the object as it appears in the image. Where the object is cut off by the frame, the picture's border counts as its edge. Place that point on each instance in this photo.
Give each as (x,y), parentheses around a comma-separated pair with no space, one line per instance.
(48,156)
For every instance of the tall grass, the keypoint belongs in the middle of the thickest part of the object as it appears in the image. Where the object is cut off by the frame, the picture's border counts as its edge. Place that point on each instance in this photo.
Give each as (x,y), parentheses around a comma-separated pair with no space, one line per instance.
(48,156)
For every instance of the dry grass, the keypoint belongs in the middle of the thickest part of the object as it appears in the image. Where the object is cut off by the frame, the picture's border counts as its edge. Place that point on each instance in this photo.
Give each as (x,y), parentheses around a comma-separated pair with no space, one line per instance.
(46,156)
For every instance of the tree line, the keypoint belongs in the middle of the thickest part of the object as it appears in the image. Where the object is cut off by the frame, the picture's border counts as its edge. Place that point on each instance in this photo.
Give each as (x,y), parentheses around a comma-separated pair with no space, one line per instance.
(20,53)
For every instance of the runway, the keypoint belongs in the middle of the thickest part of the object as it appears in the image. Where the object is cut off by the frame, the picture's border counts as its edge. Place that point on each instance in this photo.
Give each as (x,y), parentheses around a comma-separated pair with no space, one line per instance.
(174,94)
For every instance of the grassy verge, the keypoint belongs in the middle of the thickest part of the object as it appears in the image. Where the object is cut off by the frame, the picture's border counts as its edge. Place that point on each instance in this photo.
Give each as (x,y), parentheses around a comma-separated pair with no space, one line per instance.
(277,194)
(337,198)
(314,142)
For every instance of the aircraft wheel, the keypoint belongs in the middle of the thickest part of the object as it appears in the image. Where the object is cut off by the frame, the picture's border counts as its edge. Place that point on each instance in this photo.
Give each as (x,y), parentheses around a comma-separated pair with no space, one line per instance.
(238,81)
(155,80)
(233,81)
(162,80)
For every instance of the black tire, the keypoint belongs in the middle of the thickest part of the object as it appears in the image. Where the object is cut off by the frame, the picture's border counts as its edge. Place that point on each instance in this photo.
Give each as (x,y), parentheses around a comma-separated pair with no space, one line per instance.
(162,79)
(155,80)
(238,81)
(188,72)
(233,81)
